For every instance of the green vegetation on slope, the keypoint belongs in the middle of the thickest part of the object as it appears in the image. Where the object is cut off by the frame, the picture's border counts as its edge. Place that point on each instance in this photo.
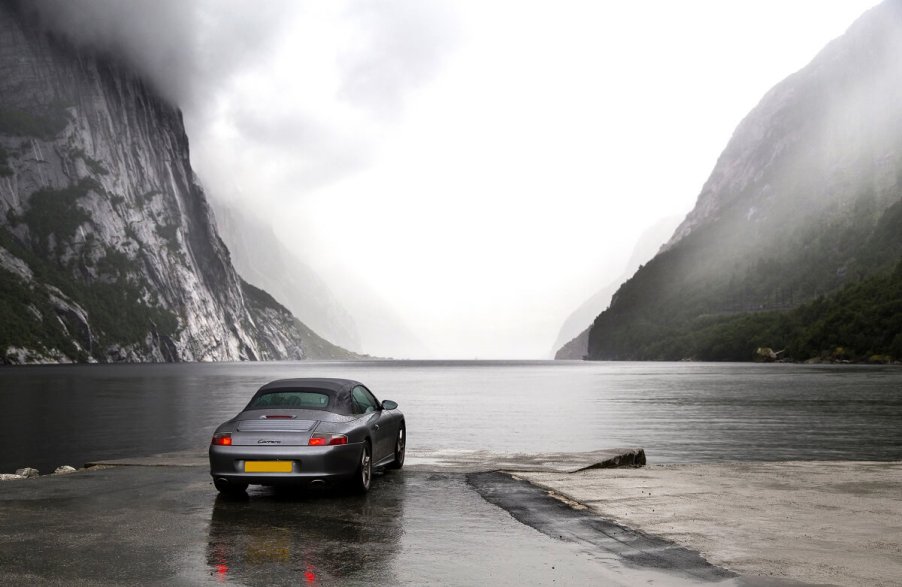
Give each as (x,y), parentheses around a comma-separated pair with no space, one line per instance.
(114,301)
(46,122)
(861,322)
(689,302)
(27,319)
(56,213)
(5,169)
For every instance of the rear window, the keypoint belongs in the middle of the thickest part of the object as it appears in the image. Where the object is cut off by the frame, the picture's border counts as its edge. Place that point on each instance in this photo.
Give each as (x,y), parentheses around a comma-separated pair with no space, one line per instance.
(305,400)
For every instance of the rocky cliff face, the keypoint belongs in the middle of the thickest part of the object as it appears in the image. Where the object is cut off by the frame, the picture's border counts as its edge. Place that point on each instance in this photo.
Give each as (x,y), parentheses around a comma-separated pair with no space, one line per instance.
(814,139)
(108,249)
(804,201)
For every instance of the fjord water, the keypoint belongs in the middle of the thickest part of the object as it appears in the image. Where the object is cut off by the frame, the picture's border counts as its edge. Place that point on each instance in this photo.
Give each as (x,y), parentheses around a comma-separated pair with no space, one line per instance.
(679,412)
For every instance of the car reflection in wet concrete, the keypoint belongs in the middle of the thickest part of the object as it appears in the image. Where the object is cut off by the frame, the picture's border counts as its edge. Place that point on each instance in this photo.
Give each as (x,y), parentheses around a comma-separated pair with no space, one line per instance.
(413,528)
(165,525)
(276,536)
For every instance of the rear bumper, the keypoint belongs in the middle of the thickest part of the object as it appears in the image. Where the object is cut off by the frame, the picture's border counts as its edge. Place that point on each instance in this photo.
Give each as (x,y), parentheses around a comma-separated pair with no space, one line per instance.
(308,463)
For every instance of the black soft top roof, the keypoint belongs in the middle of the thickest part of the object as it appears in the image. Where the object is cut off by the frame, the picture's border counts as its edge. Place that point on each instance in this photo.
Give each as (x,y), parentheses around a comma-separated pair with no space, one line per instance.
(338,390)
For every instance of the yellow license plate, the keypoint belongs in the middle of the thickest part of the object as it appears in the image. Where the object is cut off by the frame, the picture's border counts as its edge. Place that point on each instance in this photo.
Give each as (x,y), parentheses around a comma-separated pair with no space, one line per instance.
(267,466)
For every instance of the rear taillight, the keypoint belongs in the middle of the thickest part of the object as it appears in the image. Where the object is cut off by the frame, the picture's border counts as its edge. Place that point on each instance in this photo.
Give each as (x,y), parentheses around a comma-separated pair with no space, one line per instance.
(327,439)
(222,439)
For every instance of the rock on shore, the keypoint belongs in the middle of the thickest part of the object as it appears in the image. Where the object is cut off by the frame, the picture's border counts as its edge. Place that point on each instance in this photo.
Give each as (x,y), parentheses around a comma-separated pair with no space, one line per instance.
(32,473)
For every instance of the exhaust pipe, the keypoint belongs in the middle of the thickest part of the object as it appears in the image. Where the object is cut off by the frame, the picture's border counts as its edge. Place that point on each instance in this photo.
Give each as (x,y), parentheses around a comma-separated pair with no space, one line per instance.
(317,483)
(222,480)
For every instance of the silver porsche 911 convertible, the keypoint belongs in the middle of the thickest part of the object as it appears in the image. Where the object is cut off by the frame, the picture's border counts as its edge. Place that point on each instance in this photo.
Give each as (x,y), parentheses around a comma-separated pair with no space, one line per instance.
(308,431)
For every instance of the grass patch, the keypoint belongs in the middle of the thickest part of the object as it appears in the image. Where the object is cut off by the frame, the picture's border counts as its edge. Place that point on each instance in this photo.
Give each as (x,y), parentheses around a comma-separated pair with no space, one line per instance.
(169,232)
(94,165)
(5,169)
(42,122)
(57,213)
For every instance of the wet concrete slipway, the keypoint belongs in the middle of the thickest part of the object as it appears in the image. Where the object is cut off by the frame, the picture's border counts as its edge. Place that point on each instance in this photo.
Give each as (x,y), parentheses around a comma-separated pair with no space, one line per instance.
(444,520)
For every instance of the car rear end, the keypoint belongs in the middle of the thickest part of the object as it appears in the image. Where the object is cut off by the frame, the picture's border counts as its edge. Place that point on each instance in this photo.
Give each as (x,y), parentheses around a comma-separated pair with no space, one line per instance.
(280,446)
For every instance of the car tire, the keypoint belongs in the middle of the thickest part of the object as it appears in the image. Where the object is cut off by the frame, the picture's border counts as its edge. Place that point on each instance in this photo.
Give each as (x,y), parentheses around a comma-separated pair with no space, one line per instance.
(400,448)
(363,477)
(227,488)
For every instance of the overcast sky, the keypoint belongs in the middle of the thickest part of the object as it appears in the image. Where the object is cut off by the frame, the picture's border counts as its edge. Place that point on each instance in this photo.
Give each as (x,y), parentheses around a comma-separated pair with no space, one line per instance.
(485,166)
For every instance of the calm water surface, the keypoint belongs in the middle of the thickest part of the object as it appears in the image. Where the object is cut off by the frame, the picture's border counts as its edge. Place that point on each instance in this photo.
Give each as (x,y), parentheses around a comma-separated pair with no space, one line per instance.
(679,412)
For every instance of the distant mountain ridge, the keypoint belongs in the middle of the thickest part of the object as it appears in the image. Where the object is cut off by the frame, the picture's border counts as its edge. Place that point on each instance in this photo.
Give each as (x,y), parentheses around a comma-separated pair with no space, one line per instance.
(260,257)
(803,203)
(573,340)
(346,310)
(108,248)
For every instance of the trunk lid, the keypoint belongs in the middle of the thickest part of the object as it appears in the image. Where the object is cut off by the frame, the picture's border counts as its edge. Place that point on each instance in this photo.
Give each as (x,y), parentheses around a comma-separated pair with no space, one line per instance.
(274,428)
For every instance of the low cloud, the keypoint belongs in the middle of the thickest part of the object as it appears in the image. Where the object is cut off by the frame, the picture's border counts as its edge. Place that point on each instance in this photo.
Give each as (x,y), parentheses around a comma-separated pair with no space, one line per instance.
(285,96)
(399,45)
(181,48)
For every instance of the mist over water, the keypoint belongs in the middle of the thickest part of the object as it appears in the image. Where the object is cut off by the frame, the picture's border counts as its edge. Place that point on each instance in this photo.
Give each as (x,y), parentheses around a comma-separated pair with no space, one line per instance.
(482,168)
(678,412)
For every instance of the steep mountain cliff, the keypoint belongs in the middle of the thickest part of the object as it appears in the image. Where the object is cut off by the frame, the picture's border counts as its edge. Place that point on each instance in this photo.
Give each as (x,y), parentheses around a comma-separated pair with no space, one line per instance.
(803,203)
(108,250)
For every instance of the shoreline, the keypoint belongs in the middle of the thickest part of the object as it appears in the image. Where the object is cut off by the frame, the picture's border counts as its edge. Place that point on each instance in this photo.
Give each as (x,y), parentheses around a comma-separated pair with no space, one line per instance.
(365,360)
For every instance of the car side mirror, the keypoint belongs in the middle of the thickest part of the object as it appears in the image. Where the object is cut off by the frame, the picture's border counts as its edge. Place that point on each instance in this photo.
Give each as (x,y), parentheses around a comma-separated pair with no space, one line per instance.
(389,405)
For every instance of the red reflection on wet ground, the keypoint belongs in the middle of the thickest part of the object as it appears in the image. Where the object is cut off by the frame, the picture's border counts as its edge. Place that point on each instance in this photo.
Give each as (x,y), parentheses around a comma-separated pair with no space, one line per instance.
(309,575)
(218,561)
